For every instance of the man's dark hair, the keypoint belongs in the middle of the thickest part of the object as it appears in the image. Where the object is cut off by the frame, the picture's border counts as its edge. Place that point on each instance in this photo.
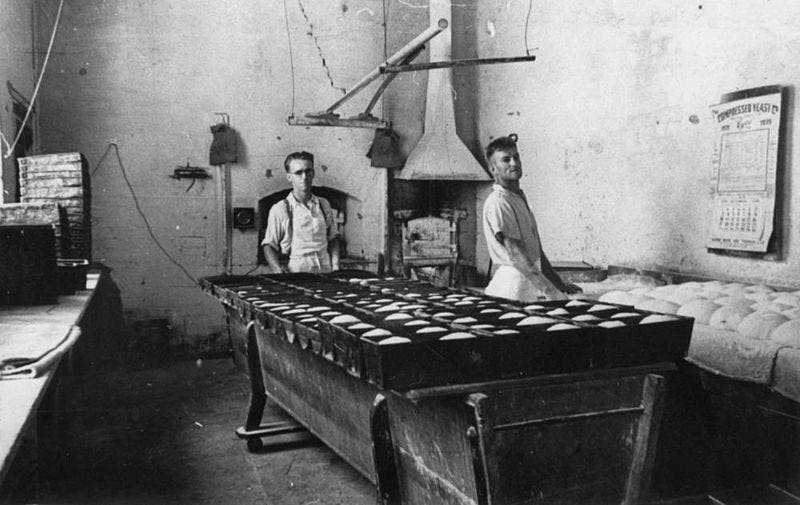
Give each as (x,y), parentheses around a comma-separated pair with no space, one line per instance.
(302,155)
(501,144)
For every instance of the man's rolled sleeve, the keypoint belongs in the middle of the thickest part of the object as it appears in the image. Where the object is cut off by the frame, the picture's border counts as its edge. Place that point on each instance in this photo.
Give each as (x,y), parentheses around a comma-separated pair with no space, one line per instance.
(500,217)
(276,228)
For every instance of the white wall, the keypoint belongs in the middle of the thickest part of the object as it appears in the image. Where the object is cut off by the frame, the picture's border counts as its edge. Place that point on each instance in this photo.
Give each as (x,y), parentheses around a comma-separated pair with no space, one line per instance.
(615,169)
(16,66)
(150,75)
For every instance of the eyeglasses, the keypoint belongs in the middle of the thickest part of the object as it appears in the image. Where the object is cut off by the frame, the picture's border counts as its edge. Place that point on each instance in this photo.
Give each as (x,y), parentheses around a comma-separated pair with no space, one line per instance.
(301,173)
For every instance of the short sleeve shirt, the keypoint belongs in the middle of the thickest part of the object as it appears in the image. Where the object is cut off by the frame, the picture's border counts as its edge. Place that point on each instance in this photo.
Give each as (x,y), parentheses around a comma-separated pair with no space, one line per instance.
(507,212)
(277,236)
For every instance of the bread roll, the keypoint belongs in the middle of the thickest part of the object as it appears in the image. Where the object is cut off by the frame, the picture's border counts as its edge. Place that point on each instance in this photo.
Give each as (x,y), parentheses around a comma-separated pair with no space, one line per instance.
(759,325)
(657,318)
(512,315)
(457,335)
(788,334)
(611,324)
(585,317)
(377,332)
(534,320)
(728,317)
(394,340)
(562,326)
(465,320)
(700,309)
(345,319)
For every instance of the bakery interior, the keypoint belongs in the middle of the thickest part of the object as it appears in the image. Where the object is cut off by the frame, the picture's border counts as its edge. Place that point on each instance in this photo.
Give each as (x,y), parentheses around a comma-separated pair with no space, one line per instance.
(143,145)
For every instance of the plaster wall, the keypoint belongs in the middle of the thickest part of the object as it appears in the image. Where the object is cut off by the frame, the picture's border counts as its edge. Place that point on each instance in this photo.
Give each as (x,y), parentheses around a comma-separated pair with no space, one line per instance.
(16,67)
(149,76)
(615,128)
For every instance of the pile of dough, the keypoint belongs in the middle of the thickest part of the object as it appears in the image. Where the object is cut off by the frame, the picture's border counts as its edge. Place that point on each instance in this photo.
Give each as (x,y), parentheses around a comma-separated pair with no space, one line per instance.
(662,306)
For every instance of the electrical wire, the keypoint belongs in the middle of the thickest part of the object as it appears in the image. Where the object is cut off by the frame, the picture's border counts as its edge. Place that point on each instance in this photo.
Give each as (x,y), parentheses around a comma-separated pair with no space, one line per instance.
(291,53)
(385,56)
(20,131)
(144,218)
(527,19)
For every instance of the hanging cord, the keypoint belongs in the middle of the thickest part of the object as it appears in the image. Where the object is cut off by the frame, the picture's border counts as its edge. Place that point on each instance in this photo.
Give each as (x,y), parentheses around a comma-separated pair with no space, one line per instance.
(385,57)
(10,148)
(527,19)
(291,53)
(139,210)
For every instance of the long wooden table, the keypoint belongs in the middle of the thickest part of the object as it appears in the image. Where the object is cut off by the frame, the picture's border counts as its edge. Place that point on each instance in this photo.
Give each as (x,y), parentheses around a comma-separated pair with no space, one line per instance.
(576,437)
(20,398)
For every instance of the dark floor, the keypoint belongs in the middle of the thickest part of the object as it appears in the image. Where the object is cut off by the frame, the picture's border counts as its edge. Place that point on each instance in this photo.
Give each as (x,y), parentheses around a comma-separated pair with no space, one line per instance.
(166,435)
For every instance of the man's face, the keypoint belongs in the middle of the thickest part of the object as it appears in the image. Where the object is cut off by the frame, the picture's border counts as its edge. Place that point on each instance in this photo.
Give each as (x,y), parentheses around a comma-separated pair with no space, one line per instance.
(301,174)
(505,165)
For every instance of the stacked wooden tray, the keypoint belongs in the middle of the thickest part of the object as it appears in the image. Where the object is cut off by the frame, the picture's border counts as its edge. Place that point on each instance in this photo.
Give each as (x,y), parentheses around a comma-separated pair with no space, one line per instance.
(402,334)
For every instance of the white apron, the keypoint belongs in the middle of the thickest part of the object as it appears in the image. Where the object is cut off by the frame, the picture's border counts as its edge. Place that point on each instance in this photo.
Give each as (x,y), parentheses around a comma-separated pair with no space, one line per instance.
(310,240)
(509,283)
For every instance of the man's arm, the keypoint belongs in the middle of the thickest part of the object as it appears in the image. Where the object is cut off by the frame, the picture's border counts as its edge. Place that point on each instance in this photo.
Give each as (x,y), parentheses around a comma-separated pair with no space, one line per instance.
(334,248)
(550,273)
(520,260)
(272,260)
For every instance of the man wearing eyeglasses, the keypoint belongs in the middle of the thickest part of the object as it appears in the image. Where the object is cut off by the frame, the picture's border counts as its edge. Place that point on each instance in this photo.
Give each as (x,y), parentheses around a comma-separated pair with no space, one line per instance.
(302,224)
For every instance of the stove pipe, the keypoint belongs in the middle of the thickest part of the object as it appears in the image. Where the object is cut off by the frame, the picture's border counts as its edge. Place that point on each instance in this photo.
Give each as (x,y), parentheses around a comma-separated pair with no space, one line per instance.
(440,154)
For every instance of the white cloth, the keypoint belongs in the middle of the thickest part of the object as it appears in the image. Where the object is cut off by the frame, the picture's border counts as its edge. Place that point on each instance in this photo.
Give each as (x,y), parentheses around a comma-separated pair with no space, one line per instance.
(311,230)
(508,282)
(315,263)
(506,212)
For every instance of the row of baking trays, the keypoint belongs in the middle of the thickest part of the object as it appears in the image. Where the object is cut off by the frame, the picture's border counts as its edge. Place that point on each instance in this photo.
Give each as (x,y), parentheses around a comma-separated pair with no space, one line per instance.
(401,334)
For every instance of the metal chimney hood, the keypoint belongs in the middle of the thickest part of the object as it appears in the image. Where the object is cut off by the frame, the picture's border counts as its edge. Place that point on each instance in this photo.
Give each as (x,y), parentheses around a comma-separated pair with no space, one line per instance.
(440,154)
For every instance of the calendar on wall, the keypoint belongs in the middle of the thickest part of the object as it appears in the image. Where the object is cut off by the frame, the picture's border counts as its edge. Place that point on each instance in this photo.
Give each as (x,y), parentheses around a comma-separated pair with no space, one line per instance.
(745,166)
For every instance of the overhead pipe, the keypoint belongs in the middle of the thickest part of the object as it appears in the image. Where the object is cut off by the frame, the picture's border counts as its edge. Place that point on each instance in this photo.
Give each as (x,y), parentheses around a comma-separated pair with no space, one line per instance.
(414,45)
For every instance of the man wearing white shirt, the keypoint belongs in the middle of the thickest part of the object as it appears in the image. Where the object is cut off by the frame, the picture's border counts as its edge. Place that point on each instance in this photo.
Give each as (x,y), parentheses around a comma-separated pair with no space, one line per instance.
(301,225)
(524,272)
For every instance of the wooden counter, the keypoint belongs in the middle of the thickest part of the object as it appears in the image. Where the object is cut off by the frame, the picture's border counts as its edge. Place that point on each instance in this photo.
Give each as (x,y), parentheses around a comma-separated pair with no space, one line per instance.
(20,398)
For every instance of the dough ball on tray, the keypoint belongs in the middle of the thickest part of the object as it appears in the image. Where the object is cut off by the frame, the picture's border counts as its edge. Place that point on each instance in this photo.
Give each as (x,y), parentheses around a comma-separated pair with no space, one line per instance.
(611,324)
(728,317)
(657,318)
(394,340)
(701,309)
(788,334)
(759,325)
(563,326)
(457,335)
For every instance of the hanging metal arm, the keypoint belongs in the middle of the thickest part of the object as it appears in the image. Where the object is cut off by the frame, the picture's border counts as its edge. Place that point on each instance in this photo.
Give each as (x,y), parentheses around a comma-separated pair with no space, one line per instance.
(326,116)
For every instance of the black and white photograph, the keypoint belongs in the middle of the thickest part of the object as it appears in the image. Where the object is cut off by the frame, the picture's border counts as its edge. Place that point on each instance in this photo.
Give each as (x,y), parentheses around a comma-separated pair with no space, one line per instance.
(399,252)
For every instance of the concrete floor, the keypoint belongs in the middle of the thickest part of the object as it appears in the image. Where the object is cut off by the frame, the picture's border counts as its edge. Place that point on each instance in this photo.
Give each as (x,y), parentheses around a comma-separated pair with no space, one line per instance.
(166,435)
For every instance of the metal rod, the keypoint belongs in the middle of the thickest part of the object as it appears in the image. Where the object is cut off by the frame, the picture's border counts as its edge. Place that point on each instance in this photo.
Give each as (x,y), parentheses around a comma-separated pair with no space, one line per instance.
(391,69)
(397,57)
(388,80)
(573,417)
